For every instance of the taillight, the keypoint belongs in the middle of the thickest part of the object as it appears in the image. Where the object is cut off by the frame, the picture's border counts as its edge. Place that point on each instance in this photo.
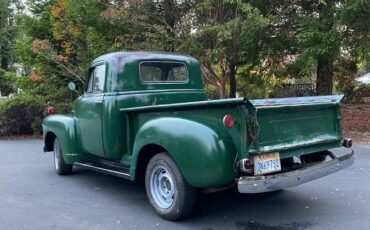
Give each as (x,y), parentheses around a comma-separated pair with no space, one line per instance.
(52,110)
(229,121)
(246,166)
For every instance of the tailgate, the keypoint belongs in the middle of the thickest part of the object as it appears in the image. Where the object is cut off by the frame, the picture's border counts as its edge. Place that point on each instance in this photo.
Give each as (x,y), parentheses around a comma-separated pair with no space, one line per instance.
(295,123)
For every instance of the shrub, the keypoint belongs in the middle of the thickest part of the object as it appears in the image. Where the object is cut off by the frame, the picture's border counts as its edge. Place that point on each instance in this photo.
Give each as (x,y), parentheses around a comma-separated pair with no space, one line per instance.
(345,73)
(23,114)
(6,82)
(354,92)
(18,114)
(256,86)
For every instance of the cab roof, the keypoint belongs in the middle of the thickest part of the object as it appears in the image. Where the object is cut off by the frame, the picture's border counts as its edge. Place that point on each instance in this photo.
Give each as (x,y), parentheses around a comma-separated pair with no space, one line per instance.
(133,56)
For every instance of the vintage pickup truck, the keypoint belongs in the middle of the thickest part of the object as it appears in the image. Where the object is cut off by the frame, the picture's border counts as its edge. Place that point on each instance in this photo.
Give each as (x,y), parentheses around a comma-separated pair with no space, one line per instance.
(146,115)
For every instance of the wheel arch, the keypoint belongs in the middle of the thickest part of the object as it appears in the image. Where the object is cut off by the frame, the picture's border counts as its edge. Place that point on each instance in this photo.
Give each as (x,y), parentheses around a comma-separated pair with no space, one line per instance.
(63,128)
(204,155)
(49,141)
(145,154)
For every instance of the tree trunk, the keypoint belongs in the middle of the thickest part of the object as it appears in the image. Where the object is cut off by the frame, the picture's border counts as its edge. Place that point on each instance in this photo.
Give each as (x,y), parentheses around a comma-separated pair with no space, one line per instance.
(222,89)
(324,71)
(169,11)
(324,81)
(232,81)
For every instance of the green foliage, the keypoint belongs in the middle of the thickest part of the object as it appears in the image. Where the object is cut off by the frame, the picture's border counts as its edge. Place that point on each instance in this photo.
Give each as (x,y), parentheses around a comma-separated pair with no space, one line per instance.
(354,92)
(355,17)
(303,33)
(19,114)
(23,113)
(253,87)
(212,91)
(7,34)
(301,68)
(256,85)
(52,91)
(228,36)
(6,82)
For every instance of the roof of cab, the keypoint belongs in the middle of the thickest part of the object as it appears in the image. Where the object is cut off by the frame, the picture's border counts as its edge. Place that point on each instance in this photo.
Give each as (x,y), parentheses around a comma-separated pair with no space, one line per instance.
(131,56)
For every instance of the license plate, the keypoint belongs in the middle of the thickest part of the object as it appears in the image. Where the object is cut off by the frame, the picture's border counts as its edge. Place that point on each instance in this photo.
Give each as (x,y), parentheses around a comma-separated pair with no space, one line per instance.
(266,163)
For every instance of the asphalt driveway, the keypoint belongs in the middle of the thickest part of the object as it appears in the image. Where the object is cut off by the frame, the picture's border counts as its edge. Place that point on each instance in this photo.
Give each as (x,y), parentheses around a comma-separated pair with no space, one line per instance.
(33,196)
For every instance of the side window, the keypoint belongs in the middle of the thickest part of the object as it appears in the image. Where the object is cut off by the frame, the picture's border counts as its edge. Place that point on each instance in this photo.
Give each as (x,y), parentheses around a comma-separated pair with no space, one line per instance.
(99,79)
(96,79)
(89,83)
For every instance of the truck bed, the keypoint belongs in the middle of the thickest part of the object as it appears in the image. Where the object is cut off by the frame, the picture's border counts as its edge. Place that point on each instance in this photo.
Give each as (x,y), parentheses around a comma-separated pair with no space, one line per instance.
(285,125)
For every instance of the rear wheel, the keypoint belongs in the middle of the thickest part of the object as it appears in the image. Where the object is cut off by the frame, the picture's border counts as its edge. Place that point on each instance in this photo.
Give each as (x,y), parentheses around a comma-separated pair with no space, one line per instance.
(60,166)
(169,194)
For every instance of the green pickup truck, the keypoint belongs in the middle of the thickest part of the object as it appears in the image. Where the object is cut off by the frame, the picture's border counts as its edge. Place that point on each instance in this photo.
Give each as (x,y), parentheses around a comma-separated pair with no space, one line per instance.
(145,115)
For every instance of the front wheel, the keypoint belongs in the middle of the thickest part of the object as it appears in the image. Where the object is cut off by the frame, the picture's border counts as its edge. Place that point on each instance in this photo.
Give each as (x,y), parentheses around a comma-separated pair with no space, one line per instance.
(169,194)
(60,166)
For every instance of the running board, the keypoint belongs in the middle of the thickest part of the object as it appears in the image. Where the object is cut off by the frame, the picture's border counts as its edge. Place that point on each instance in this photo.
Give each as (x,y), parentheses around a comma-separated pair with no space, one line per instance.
(123,173)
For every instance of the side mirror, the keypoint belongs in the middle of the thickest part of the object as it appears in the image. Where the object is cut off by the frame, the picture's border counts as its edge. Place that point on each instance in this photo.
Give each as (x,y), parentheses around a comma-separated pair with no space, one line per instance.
(71,86)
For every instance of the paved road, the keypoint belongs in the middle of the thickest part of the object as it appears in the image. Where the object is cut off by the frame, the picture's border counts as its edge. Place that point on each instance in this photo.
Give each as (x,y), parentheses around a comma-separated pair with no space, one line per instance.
(33,196)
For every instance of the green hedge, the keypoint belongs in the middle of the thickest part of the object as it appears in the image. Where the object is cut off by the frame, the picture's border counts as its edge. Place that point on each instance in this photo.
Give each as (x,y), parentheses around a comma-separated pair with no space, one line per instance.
(23,114)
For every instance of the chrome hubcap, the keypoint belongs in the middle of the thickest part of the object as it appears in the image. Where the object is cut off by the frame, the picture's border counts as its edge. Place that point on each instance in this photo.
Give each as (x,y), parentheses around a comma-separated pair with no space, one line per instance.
(162,187)
(56,155)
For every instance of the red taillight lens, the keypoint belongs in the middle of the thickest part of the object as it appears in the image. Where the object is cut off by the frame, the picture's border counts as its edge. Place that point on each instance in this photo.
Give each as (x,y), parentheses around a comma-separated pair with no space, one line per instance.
(229,121)
(52,110)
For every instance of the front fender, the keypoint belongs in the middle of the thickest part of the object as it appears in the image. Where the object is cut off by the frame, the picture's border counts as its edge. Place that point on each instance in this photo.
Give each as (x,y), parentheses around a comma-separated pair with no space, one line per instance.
(205,155)
(64,128)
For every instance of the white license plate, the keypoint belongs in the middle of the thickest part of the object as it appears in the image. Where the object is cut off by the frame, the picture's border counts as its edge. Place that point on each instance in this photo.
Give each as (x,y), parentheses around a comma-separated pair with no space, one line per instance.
(266,163)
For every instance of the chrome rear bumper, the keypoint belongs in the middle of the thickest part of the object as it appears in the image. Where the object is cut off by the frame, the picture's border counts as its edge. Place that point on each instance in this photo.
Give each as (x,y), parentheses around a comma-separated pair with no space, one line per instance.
(260,184)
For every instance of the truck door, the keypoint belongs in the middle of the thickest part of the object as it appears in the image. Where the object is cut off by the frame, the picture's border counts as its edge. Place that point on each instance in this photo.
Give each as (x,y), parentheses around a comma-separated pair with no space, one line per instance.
(89,108)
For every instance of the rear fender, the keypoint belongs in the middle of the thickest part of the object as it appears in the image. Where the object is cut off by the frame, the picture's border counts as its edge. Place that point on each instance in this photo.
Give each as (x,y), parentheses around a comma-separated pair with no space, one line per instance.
(64,128)
(204,155)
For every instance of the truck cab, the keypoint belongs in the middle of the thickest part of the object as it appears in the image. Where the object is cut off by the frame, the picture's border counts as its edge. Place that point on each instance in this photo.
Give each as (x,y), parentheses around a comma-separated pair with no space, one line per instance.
(133,79)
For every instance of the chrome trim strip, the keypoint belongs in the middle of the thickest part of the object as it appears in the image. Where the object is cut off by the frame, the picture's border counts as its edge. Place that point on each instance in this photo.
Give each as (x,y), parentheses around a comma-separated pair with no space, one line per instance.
(104,170)
(296,145)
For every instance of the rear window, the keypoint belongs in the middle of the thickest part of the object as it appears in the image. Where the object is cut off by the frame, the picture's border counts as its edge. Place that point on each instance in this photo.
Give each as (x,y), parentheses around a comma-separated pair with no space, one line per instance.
(163,72)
